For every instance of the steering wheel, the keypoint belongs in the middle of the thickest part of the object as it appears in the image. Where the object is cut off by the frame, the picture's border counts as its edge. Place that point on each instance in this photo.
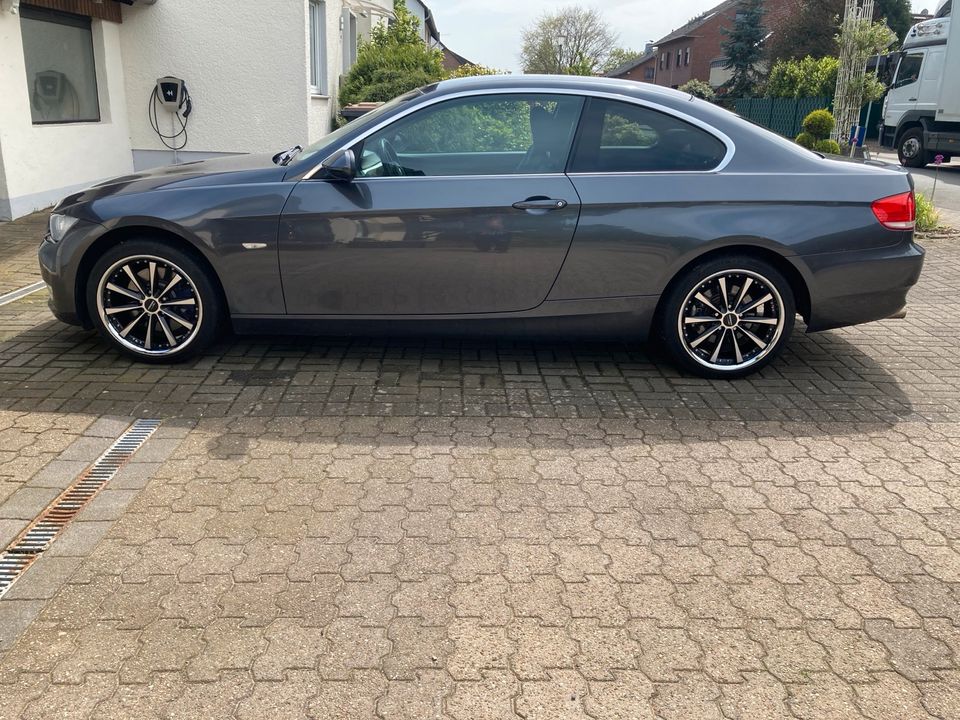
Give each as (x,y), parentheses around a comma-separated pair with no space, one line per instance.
(389,158)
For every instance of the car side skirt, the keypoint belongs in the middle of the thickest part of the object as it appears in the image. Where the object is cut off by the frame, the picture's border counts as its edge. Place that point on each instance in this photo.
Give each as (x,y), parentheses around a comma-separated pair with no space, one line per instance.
(597,318)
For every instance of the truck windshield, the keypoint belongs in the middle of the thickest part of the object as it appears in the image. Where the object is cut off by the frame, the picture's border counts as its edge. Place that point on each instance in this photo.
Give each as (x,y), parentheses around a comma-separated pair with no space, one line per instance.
(945,10)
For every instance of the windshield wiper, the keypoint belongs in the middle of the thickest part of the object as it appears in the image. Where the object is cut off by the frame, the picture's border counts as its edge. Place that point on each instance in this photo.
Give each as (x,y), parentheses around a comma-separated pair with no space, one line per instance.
(284,158)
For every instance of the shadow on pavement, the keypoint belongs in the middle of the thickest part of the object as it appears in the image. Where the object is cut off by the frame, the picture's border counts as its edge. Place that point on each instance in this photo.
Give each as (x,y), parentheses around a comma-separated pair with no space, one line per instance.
(823,383)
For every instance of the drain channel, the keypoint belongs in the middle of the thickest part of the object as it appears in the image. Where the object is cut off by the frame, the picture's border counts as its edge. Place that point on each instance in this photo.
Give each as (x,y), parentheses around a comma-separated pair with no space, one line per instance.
(38,535)
(21,292)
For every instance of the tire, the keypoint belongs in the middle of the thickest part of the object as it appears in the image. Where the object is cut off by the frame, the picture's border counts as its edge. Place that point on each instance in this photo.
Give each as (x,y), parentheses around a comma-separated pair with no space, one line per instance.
(153,301)
(910,149)
(729,338)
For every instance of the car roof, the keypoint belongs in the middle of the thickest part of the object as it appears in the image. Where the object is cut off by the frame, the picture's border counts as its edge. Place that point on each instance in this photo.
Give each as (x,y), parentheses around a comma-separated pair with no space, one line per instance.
(565,82)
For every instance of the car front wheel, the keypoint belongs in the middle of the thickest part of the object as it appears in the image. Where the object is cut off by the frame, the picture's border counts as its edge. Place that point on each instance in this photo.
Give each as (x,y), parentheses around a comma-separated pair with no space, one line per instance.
(153,301)
(727,317)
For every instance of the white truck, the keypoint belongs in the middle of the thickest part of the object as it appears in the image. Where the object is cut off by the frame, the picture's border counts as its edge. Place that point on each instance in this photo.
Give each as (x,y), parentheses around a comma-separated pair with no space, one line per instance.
(921,113)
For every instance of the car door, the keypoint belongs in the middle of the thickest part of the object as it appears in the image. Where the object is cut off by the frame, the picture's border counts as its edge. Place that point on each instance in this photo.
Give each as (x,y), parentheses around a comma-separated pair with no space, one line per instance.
(649,194)
(460,207)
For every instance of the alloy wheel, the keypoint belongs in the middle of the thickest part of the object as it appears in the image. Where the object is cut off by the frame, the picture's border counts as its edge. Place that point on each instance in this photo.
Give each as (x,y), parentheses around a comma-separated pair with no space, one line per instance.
(731,320)
(149,305)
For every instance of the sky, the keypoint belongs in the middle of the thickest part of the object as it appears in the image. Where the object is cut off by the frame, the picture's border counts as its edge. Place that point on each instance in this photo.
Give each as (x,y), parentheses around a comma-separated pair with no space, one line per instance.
(488,31)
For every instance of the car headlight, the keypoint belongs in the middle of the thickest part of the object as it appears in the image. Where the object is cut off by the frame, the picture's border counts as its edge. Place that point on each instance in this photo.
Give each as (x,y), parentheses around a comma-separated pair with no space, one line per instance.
(60,225)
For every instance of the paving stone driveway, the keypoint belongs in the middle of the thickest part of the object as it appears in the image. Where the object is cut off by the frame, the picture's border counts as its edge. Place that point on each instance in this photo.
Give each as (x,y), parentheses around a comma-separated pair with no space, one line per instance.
(339,529)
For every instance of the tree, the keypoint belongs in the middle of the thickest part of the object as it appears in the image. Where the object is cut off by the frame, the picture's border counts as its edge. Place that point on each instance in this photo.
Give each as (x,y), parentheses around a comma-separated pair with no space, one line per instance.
(617,57)
(810,77)
(743,49)
(393,61)
(699,89)
(571,41)
(859,40)
(472,70)
(809,30)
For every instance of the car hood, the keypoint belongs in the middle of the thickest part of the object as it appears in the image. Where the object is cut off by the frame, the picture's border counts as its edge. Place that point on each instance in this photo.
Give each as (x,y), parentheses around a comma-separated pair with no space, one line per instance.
(232,170)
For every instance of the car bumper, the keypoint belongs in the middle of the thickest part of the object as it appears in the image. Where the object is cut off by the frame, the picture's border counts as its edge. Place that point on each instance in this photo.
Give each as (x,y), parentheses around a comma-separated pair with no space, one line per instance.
(851,288)
(58,268)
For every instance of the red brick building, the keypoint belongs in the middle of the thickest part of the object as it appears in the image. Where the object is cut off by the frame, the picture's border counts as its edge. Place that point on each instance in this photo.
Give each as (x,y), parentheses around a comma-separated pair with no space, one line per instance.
(641,69)
(694,50)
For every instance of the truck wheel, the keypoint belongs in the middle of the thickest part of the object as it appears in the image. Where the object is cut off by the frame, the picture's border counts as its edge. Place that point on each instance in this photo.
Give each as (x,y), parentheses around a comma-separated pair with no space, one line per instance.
(911,151)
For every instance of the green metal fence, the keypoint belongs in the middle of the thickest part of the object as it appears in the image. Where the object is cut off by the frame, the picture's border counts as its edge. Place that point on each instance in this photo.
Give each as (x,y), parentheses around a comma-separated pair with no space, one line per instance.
(782,115)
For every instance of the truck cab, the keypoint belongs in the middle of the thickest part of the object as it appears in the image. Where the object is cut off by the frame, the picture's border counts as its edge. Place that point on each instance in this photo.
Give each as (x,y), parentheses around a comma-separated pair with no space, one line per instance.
(921,113)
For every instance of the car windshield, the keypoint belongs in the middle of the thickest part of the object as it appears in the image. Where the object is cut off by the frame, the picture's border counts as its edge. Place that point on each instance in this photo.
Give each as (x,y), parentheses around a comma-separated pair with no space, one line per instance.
(368,120)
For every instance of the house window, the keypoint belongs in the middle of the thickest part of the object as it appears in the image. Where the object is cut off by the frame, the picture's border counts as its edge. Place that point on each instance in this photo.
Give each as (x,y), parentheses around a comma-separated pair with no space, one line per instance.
(318,47)
(663,58)
(349,29)
(686,56)
(679,57)
(648,73)
(61,71)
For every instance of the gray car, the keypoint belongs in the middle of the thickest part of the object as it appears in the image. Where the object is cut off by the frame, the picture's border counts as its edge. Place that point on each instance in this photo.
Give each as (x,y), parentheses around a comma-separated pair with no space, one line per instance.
(577,206)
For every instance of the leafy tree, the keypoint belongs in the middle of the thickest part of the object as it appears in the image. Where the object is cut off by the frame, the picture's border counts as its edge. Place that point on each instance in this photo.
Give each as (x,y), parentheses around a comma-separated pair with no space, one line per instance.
(897,13)
(743,49)
(808,31)
(809,77)
(472,70)
(698,88)
(811,28)
(393,61)
(617,57)
(571,41)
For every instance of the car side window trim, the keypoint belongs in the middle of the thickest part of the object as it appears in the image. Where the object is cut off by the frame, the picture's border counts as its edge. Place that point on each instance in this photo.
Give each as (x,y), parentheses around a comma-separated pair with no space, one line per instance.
(586,94)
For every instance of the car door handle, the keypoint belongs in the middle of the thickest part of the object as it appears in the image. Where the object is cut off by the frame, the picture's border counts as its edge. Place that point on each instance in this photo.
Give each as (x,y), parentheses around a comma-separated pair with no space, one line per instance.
(540,203)
(911,99)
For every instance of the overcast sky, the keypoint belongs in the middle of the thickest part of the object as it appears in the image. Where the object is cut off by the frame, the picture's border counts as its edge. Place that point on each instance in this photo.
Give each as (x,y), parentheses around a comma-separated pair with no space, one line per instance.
(488,31)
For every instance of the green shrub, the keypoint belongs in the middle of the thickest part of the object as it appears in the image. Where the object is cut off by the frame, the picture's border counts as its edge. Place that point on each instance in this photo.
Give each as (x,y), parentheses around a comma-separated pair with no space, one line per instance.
(819,123)
(808,77)
(806,140)
(829,147)
(393,61)
(699,89)
(927,216)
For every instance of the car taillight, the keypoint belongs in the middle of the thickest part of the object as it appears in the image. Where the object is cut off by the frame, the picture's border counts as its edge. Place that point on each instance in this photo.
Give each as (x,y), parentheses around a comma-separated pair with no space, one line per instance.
(897,212)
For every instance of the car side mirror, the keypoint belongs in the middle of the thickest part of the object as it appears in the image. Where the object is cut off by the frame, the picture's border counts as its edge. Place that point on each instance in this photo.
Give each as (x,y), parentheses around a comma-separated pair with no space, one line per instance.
(341,165)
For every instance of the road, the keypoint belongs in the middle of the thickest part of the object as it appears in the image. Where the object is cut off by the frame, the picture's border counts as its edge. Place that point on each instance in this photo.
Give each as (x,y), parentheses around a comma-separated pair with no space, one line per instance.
(361,528)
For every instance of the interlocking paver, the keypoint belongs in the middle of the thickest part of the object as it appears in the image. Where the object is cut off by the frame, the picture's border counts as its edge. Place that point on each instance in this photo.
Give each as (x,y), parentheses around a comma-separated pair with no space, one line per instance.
(437,528)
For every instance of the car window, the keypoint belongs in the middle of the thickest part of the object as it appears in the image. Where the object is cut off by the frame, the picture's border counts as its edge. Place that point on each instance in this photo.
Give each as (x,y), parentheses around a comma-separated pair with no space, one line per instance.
(909,70)
(621,137)
(483,135)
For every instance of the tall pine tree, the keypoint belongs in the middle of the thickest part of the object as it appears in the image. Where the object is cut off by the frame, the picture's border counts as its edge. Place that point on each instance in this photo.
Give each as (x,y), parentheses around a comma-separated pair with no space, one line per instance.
(743,49)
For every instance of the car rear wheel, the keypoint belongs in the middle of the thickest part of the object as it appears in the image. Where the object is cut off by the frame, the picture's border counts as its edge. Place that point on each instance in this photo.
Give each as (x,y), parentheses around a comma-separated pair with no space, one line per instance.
(727,317)
(911,151)
(153,301)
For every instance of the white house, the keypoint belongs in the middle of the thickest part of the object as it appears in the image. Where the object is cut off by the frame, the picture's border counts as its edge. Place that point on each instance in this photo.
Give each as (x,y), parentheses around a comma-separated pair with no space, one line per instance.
(77,80)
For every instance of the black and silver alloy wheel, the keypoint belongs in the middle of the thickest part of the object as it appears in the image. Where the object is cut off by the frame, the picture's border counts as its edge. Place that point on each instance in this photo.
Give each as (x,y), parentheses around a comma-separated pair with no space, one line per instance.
(149,305)
(732,320)
(727,317)
(154,301)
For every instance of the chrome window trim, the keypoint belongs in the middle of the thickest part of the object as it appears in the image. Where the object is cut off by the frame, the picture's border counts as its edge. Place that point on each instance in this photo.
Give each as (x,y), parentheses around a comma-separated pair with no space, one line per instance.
(709,129)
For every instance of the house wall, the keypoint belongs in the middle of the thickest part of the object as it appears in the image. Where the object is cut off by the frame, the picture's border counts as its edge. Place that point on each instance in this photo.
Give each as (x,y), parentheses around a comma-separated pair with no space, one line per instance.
(245,65)
(43,163)
(638,73)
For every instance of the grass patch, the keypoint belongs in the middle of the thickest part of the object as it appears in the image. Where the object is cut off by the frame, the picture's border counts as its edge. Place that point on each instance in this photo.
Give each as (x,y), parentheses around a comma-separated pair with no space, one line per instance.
(927,216)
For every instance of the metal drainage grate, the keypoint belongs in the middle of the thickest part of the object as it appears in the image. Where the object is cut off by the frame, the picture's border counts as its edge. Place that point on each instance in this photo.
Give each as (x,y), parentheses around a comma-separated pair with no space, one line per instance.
(38,535)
